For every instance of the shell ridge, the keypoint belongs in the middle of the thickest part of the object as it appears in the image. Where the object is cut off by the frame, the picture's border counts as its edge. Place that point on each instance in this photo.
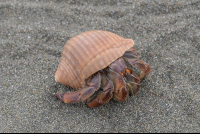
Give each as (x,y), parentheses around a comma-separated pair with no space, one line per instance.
(99,54)
(73,55)
(79,39)
(84,41)
(100,37)
(69,64)
(72,45)
(89,35)
(109,34)
(66,63)
(61,69)
(72,64)
(65,79)
(96,36)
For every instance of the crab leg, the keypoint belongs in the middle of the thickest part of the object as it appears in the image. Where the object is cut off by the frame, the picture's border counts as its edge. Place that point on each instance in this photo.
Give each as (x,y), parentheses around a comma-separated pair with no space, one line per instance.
(120,92)
(103,96)
(132,73)
(83,93)
(118,66)
(144,67)
(131,53)
(133,81)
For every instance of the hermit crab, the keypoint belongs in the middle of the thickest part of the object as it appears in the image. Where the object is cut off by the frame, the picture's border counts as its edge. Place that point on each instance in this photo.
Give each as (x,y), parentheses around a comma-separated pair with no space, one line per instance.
(96,63)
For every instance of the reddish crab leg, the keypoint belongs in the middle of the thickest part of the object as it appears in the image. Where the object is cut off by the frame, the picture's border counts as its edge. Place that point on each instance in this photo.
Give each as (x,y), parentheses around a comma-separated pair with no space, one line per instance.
(103,96)
(144,67)
(132,73)
(133,82)
(118,66)
(132,79)
(83,93)
(120,93)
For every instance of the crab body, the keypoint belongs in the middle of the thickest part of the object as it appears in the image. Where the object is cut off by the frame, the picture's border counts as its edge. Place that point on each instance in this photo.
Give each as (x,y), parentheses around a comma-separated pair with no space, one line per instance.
(95,63)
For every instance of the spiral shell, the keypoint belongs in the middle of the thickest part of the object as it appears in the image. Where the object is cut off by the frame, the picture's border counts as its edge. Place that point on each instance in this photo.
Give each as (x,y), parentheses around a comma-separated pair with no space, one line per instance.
(87,53)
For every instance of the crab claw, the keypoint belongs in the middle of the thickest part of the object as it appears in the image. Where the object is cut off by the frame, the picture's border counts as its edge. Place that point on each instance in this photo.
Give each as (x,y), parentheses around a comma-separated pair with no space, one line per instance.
(60,97)
(83,93)
(103,96)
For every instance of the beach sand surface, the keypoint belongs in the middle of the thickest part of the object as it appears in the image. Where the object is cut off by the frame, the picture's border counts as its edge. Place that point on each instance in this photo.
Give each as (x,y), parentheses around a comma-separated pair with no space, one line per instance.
(32,36)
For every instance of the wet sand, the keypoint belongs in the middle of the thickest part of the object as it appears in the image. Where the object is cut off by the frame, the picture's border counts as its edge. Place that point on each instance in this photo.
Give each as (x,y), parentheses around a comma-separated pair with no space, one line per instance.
(32,36)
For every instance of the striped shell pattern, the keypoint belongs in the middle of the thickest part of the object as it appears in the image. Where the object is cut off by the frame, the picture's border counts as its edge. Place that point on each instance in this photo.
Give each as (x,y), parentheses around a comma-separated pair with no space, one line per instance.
(87,53)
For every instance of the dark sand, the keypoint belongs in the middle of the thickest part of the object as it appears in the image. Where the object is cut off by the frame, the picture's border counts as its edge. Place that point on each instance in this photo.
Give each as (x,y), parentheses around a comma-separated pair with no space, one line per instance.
(33,33)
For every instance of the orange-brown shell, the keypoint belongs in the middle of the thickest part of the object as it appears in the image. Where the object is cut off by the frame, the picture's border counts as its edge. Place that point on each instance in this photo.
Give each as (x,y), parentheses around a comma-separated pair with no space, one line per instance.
(87,53)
